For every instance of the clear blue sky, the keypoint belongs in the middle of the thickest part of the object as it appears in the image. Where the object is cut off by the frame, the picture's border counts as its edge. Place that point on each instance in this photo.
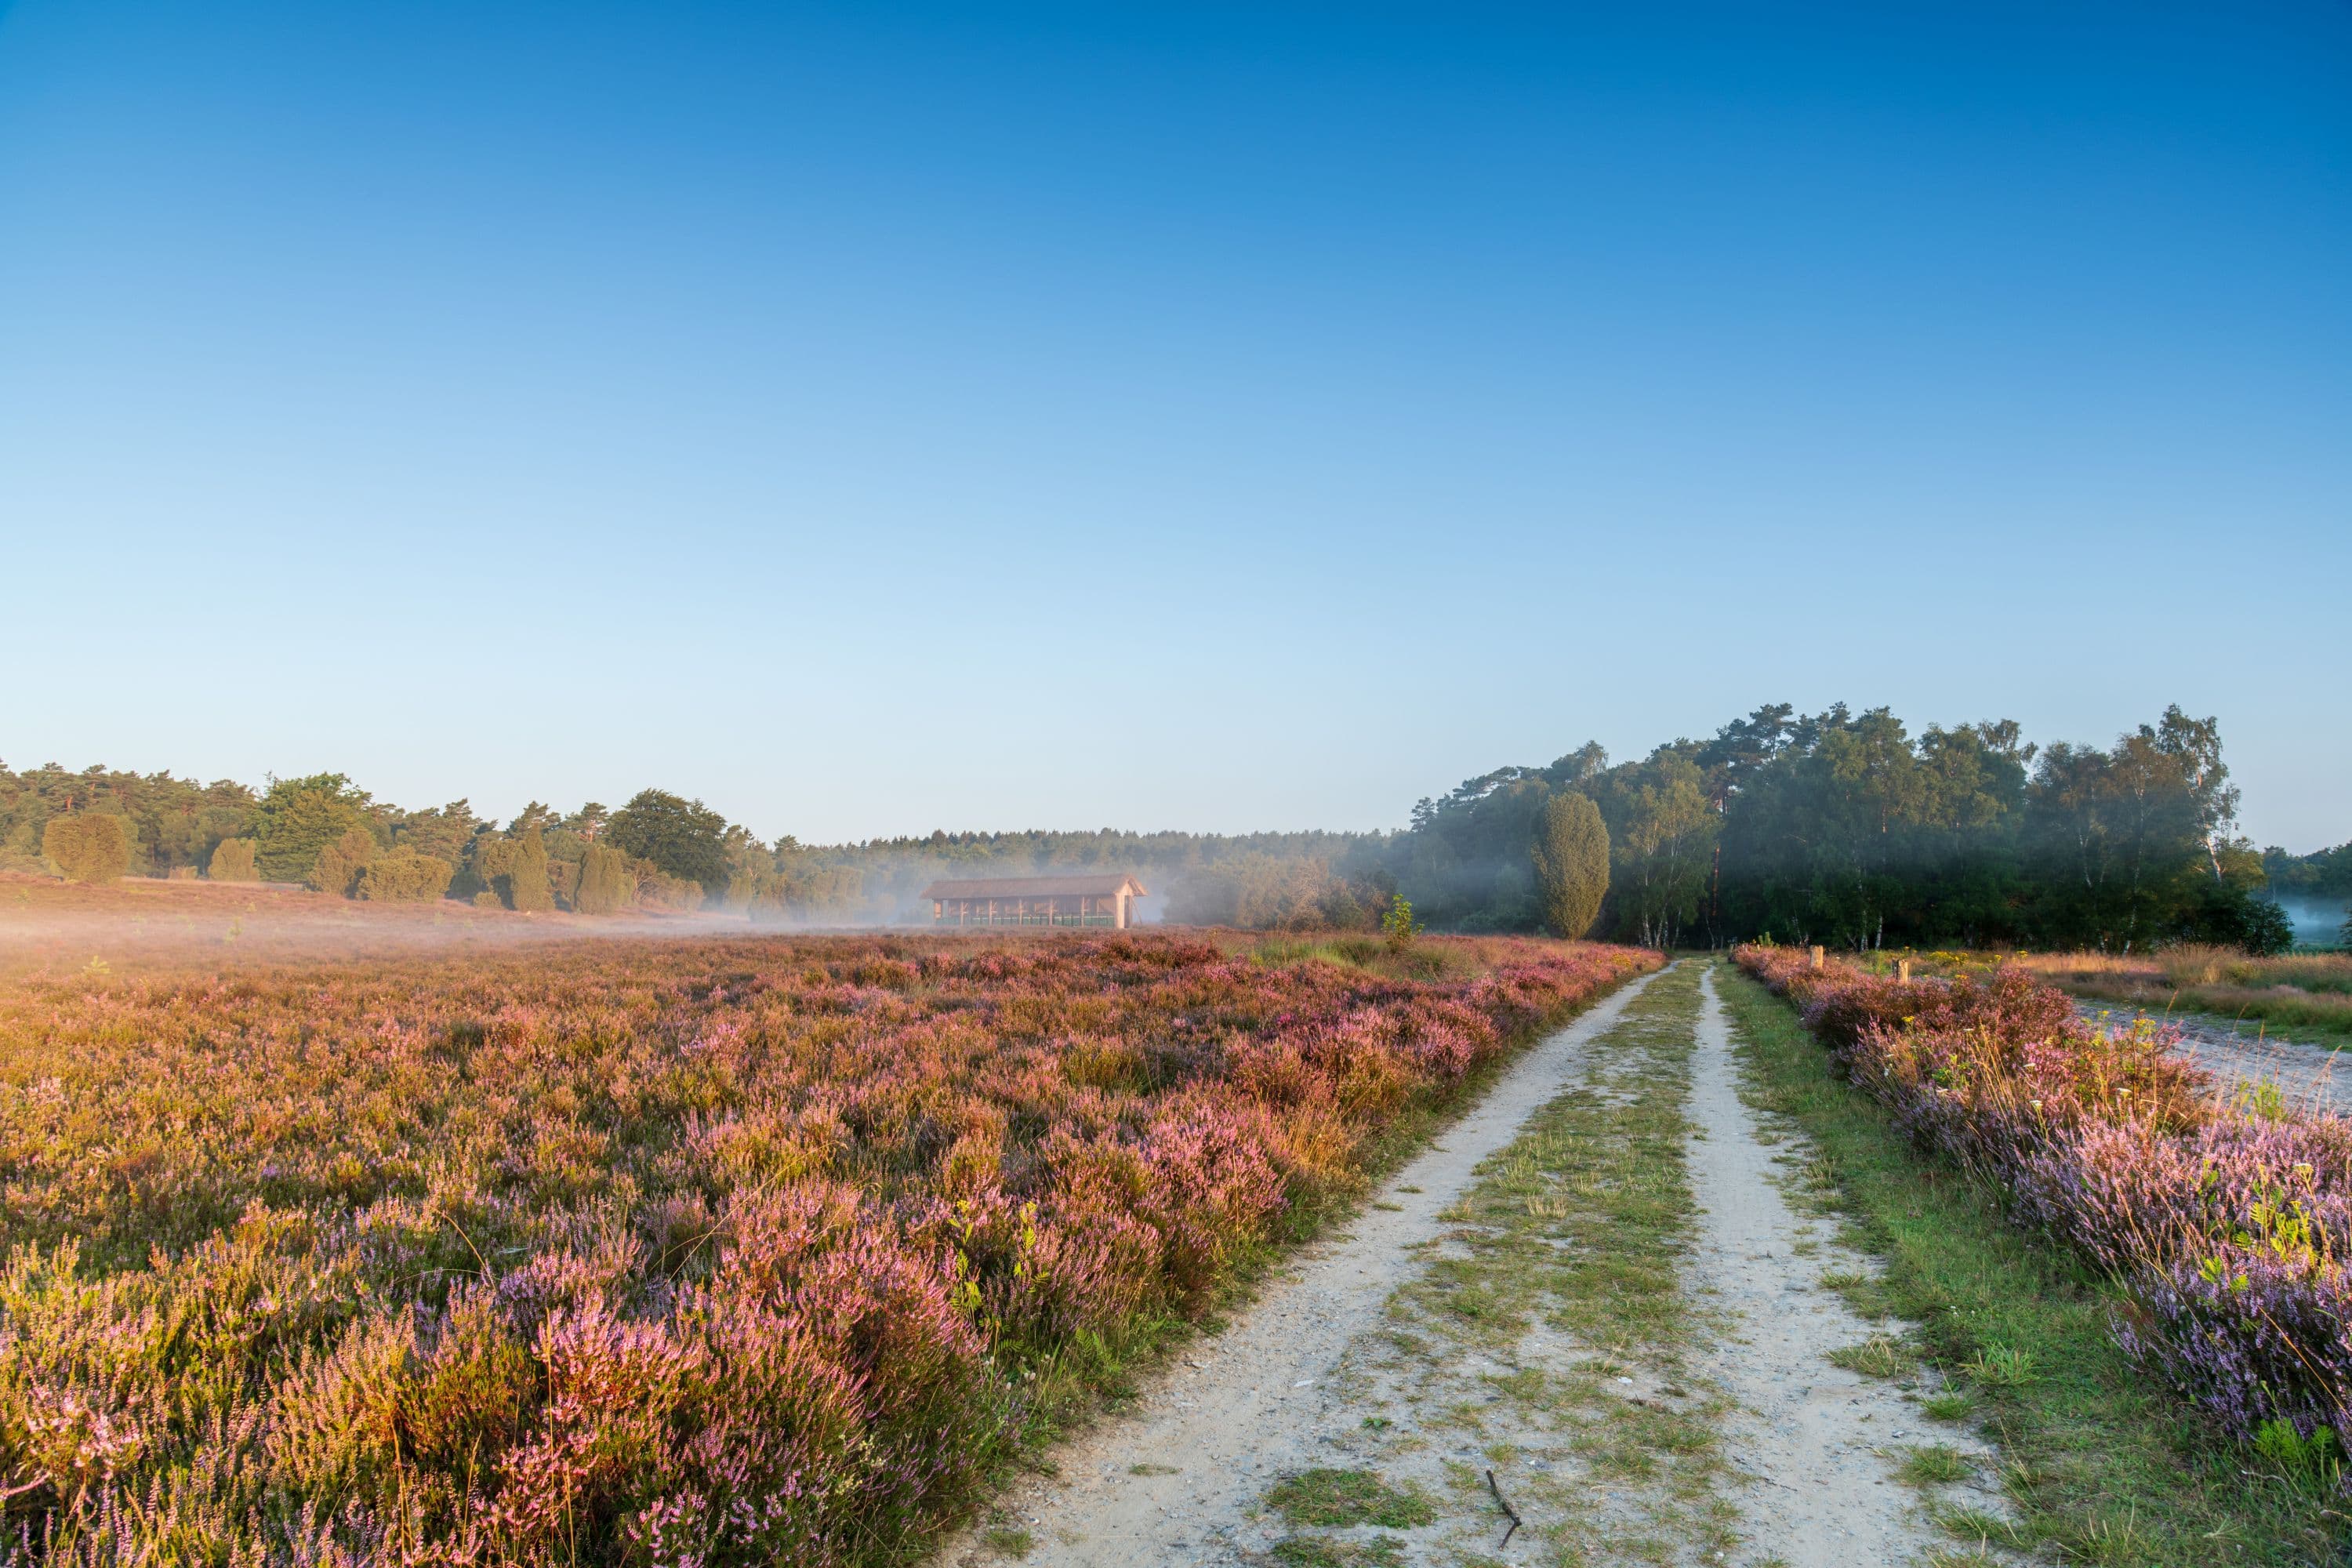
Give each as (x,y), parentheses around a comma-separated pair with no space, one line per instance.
(876,419)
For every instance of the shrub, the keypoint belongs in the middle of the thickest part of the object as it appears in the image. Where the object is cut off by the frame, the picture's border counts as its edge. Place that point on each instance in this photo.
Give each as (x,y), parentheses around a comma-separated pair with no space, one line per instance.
(88,846)
(1397,925)
(605,886)
(232,861)
(337,869)
(404,876)
(526,888)
(657,889)
(512,869)
(1571,857)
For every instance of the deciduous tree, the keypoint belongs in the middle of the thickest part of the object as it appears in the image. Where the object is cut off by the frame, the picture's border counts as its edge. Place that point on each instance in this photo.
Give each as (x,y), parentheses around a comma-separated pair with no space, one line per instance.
(685,837)
(1571,860)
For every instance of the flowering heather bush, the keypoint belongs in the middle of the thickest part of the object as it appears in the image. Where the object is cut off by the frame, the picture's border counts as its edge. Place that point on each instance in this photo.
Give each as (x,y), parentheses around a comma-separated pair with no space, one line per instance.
(2229,1223)
(647,1251)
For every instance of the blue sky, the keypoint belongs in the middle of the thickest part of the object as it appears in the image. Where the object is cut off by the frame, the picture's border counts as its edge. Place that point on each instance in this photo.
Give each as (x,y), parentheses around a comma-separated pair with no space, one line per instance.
(876,418)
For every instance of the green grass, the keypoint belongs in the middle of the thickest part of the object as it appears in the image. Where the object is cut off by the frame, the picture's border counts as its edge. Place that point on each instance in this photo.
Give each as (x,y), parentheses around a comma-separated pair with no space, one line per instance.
(1009,1541)
(1580,1227)
(1935,1464)
(1881,1355)
(2102,1464)
(1336,1498)
(1584,1218)
(1327,1551)
(1952,1404)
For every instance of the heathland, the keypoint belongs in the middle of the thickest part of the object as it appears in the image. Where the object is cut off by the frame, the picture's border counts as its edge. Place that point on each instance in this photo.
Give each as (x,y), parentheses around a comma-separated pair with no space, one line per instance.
(393,1234)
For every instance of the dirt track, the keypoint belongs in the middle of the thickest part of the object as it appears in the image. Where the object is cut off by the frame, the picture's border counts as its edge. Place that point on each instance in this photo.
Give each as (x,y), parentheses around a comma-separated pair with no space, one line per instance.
(1256,1402)
(1329,1372)
(1818,1434)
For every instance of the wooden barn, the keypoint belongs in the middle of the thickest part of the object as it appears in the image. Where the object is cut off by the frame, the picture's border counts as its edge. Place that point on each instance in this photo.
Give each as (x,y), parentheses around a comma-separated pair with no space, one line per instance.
(1103,899)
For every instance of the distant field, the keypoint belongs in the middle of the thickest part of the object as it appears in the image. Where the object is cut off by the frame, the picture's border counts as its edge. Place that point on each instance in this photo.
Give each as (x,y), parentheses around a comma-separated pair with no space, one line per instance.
(2306,995)
(2301,993)
(342,1233)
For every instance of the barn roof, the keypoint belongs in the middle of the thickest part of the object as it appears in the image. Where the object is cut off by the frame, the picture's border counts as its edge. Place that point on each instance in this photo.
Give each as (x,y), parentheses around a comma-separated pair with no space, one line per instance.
(1100,883)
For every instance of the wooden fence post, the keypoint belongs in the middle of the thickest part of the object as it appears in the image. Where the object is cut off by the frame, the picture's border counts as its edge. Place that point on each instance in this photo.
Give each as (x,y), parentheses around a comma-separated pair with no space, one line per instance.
(1903,969)
(1817,958)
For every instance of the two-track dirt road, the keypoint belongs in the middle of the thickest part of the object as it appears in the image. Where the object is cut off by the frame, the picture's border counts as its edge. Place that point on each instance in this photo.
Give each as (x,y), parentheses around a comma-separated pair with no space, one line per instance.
(1325,1376)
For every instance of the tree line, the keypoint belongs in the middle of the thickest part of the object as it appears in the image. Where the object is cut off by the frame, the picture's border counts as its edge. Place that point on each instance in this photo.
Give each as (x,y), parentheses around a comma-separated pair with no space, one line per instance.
(1839,827)
(1847,829)
(660,851)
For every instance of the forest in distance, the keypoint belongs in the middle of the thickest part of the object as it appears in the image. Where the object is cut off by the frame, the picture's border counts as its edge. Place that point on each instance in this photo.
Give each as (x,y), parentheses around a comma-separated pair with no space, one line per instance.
(1839,827)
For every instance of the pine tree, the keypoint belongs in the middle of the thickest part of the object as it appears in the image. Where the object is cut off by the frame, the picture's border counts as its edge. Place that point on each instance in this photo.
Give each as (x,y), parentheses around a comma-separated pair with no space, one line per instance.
(1571,860)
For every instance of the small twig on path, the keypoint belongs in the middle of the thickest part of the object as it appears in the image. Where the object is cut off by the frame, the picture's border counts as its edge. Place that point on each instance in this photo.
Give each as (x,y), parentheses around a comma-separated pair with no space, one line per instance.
(1499,1498)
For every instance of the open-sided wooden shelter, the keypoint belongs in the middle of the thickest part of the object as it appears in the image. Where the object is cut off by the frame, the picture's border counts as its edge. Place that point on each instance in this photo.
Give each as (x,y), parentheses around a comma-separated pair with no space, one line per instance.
(1103,900)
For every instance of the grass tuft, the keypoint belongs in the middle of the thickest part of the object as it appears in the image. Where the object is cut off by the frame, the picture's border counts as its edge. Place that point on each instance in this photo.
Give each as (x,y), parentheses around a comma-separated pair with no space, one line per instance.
(1935,1464)
(1342,1498)
(1329,1552)
(1881,1355)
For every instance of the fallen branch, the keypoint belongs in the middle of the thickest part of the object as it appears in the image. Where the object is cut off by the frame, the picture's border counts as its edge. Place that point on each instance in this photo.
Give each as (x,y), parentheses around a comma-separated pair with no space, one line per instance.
(1515,1520)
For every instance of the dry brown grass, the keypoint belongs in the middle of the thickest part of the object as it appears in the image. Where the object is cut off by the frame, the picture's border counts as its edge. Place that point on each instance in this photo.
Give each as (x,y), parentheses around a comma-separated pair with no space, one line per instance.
(2307,992)
(2200,964)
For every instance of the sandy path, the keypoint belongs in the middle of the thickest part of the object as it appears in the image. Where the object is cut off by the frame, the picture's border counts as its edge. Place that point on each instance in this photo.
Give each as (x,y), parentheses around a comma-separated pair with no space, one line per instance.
(2233,1053)
(1253,1403)
(1821,1440)
(1312,1376)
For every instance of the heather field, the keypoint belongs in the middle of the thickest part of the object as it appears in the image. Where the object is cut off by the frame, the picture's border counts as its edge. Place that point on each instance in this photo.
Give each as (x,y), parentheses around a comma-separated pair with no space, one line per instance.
(2224,1214)
(470,1238)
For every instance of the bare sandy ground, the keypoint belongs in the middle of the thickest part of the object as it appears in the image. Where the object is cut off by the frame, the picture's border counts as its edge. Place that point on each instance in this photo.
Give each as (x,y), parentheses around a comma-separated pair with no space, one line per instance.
(1327,1369)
